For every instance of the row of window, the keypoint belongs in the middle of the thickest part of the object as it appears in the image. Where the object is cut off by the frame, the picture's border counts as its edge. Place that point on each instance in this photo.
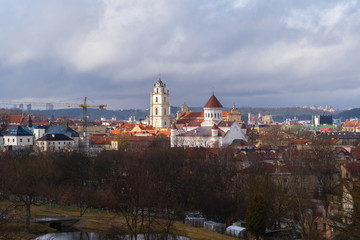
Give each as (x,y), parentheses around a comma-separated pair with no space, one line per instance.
(42,143)
(156,111)
(156,99)
(163,90)
(211,115)
(13,140)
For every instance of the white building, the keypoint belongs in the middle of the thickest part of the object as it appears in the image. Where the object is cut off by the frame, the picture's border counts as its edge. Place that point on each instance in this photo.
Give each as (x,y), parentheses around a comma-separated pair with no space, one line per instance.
(160,106)
(55,142)
(17,137)
(212,132)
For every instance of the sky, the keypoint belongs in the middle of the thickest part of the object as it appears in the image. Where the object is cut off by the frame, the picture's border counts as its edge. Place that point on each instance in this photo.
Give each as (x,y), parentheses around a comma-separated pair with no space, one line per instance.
(253,53)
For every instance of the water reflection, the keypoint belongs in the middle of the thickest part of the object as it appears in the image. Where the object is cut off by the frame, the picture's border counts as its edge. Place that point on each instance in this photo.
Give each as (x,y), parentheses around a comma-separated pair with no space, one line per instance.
(96,236)
(71,236)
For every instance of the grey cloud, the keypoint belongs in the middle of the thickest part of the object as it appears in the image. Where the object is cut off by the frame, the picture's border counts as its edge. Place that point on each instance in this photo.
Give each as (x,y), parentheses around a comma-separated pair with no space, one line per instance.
(252,52)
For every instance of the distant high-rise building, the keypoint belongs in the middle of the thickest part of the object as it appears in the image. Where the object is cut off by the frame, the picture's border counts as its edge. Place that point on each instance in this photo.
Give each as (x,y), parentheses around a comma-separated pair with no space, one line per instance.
(322,120)
(159,106)
(49,106)
(28,107)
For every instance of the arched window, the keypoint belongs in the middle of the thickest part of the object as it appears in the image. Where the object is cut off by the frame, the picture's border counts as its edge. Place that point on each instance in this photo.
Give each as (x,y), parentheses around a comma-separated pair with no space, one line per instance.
(156,111)
(164,99)
(164,111)
(156,99)
(157,90)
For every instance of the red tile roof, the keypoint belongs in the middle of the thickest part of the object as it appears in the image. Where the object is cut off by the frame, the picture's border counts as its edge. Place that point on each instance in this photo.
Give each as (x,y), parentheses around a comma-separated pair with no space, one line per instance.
(166,133)
(101,140)
(195,116)
(213,102)
(350,124)
(16,119)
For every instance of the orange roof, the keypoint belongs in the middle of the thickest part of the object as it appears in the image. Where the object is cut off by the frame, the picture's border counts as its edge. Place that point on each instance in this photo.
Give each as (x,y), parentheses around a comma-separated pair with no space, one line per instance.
(96,139)
(114,132)
(127,126)
(167,133)
(16,119)
(350,124)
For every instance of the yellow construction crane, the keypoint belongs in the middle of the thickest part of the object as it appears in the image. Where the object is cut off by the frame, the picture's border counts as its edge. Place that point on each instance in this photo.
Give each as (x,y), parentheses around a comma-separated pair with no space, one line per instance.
(84,106)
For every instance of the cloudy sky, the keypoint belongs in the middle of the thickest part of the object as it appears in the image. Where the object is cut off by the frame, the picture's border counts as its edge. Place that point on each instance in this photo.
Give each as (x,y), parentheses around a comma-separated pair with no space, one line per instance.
(269,53)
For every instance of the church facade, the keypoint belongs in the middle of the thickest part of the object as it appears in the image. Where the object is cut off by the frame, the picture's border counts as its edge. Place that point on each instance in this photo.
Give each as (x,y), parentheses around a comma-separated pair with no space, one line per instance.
(212,131)
(159,106)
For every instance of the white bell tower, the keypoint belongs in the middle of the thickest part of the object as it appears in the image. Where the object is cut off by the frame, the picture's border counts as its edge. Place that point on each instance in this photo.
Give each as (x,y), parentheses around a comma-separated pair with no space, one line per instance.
(160,106)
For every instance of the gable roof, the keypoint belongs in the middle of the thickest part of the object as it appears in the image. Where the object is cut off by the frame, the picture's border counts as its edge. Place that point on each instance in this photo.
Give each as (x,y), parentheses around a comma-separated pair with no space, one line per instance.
(350,124)
(55,137)
(17,131)
(101,139)
(16,119)
(63,130)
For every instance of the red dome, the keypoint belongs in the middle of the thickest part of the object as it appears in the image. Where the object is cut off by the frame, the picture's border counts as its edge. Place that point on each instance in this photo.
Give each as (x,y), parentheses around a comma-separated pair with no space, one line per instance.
(213,102)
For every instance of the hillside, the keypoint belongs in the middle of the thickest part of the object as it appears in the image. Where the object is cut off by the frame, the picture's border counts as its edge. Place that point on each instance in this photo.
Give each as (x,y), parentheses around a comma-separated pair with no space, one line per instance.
(279,114)
(93,114)
(353,113)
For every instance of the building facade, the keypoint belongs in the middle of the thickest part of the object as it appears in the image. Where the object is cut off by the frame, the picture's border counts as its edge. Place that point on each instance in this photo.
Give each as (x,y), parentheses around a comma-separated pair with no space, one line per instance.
(159,106)
(211,132)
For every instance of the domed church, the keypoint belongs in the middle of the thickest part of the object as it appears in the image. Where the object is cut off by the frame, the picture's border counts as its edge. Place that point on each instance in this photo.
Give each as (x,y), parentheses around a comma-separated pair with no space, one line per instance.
(212,131)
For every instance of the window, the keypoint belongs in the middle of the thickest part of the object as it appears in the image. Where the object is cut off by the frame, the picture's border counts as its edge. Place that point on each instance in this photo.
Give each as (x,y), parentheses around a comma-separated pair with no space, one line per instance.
(157,90)
(13,139)
(59,143)
(164,99)
(20,139)
(164,111)
(156,111)
(332,212)
(156,99)
(8,139)
(28,139)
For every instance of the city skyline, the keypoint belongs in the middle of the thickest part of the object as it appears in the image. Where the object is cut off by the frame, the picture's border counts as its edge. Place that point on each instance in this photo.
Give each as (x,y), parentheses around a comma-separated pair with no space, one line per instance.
(253,53)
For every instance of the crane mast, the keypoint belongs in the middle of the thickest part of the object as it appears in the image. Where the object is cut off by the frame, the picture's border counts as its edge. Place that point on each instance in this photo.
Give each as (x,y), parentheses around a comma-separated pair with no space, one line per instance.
(83,105)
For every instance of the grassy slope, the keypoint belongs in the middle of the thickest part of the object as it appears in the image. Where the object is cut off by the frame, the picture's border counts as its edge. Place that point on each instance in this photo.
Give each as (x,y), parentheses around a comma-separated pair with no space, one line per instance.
(94,222)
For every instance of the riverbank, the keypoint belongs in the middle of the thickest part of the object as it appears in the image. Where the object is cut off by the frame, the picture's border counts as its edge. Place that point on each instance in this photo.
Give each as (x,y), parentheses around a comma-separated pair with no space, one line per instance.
(101,221)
